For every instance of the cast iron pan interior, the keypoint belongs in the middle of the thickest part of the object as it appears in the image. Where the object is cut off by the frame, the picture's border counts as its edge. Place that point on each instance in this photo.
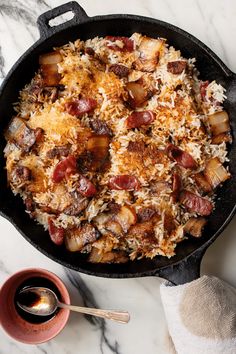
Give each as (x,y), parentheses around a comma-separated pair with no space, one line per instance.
(83,27)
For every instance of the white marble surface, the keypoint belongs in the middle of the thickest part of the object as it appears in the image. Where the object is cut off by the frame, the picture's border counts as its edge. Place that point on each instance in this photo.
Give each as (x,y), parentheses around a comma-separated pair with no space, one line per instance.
(213,22)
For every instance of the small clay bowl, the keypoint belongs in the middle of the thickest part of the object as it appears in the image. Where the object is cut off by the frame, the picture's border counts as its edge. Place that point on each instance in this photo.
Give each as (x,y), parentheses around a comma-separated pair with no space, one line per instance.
(15,325)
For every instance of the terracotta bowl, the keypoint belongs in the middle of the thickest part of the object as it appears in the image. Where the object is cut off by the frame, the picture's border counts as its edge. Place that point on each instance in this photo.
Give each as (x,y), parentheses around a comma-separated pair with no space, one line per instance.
(20,329)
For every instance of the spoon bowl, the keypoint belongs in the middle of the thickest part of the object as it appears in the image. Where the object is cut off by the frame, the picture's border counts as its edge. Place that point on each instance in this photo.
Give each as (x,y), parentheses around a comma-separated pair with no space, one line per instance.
(38,301)
(42,301)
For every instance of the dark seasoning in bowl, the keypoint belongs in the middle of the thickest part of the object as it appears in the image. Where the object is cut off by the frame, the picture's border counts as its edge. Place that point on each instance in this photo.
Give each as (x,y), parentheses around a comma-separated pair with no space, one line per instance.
(117,147)
(30,299)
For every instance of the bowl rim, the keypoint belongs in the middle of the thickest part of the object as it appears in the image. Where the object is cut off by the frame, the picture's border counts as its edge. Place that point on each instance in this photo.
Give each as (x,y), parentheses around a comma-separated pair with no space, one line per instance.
(51,276)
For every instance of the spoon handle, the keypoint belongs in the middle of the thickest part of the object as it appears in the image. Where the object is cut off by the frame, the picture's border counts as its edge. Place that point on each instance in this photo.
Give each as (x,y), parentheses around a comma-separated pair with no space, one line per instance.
(118,316)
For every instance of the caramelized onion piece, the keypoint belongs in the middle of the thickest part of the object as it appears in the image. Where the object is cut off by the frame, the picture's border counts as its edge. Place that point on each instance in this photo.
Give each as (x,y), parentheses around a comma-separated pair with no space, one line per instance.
(182,158)
(78,204)
(196,204)
(100,127)
(124,182)
(219,123)
(50,75)
(96,256)
(59,151)
(176,67)
(96,155)
(14,129)
(100,141)
(136,146)
(64,168)
(21,175)
(113,207)
(137,94)
(202,182)
(220,138)
(169,222)
(56,233)
(149,50)
(215,172)
(137,119)
(119,70)
(194,226)
(146,214)
(144,232)
(29,204)
(121,44)
(21,134)
(176,186)
(98,149)
(49,69)
(160,187)
(80,106)
(76,239)
(50,58)
(126,217)
(114,227)
(39,134)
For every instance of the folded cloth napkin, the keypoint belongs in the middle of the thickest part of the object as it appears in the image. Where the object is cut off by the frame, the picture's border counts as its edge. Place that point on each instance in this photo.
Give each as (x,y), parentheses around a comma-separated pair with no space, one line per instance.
(201,316)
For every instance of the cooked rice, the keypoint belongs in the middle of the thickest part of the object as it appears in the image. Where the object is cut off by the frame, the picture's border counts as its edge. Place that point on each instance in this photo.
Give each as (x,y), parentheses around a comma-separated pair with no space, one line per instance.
(179,111)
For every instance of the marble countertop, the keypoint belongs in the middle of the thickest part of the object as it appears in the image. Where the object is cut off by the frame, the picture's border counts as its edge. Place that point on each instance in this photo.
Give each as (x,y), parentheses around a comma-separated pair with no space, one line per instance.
(211,21)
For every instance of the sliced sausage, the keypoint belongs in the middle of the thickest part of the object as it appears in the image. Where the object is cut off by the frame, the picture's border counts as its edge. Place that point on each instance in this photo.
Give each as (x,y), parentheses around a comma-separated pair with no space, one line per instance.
(64,168)
(182,158)
(196,204)
(137,119)
(86,187)
(56,233)
(80,106)
(89,51)
(124,182)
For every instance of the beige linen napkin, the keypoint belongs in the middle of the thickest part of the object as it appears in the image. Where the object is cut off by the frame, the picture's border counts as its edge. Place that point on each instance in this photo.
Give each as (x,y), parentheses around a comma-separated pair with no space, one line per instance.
(201,316)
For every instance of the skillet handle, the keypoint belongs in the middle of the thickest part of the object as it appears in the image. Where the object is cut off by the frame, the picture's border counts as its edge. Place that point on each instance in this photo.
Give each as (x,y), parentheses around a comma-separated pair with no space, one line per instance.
(184,271)
(44,27)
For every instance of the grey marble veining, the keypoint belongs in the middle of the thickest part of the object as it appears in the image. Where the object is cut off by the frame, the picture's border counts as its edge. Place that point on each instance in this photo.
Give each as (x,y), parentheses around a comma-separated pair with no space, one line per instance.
(213,22)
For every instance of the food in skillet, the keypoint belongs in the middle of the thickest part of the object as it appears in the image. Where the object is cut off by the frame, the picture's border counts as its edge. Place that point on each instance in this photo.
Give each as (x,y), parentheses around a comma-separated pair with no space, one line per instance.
(117,147)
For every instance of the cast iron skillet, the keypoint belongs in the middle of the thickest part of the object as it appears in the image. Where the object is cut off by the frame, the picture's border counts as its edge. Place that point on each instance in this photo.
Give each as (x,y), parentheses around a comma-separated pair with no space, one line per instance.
(183,267)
